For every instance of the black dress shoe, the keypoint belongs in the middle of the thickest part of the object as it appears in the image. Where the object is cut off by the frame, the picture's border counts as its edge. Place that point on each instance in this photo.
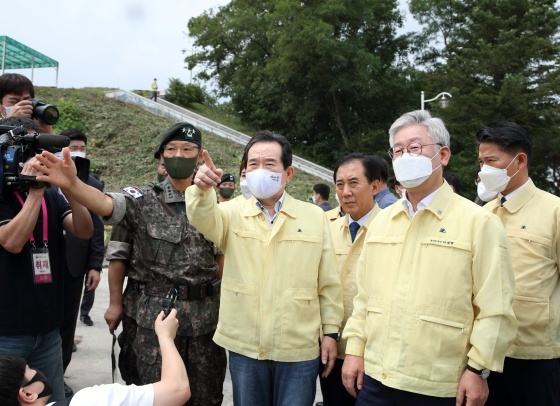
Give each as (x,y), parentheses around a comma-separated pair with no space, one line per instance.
(86,320)
(67,391)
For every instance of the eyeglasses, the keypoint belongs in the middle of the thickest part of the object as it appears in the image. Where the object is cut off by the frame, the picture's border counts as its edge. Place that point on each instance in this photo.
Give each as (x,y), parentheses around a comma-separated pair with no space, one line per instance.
(414,149)
(187,150)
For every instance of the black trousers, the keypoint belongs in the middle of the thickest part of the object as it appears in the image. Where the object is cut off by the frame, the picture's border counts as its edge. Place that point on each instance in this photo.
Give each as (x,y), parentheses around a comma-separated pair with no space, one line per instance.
(526,382)
(374,393)
(72,295)
(334,392)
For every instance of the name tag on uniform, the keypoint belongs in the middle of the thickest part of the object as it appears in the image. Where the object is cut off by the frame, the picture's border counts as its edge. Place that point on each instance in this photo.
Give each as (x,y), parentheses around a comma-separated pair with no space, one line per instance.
(41,265)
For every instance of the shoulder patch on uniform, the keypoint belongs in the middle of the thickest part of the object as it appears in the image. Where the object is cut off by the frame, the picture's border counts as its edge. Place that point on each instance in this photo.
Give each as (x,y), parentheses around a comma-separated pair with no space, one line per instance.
(133,191)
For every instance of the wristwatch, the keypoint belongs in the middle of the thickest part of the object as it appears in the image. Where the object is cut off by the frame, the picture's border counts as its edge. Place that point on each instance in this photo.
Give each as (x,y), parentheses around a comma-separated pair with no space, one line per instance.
(483,373)
(334,336)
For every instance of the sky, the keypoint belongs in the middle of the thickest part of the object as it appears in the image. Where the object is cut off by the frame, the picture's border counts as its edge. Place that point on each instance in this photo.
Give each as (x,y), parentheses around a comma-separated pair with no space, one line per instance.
(106,43)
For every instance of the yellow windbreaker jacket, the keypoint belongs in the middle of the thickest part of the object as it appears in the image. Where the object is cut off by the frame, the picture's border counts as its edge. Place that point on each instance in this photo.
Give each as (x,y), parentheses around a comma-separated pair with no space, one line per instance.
(347,255)
(280,285)
(433,293)
(532,221)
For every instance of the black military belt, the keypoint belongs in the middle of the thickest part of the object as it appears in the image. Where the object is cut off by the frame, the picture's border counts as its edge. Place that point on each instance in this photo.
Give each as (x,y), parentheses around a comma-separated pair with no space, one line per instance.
(197,292)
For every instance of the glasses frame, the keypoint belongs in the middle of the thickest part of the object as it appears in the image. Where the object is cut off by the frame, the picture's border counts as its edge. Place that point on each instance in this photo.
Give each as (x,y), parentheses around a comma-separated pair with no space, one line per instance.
(392,154)
(188,155)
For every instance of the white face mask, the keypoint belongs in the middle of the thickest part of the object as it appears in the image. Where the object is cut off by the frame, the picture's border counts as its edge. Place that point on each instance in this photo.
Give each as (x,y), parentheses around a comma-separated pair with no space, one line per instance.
(245,189)
(78,153)
(8,109)
(313,199)
(495,179)
(412,171)
(264,184)
(484,194)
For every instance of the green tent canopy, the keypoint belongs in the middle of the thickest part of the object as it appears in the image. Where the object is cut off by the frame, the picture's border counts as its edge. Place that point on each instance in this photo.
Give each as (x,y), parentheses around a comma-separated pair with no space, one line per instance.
(15,55)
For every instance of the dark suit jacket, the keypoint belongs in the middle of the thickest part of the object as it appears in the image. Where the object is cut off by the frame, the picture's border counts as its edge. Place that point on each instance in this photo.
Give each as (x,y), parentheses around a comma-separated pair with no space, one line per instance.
(85,254)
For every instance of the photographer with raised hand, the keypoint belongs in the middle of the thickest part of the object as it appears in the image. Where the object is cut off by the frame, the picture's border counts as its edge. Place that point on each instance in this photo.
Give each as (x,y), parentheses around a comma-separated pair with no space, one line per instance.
(32,260)
(17,99)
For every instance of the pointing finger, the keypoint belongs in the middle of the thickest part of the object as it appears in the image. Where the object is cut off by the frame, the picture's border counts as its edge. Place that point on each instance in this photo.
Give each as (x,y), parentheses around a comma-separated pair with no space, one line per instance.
(207,160)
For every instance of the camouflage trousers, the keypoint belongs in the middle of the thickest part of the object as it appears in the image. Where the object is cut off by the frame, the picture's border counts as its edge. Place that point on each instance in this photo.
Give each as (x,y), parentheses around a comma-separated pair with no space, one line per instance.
(140,362)
(127,356)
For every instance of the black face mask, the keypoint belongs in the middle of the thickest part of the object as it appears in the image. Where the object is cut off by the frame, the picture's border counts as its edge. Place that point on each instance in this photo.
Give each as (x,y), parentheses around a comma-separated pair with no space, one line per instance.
(161,178)
(40,377)
(226,192)
(180,168)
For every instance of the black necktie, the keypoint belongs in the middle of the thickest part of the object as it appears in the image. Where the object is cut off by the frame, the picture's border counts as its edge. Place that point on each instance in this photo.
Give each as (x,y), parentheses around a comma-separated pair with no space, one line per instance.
(502,201)
(354,227)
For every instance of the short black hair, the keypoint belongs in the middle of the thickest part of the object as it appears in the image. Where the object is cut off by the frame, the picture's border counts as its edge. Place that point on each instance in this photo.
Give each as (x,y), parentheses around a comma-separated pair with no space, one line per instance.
(14,83)
(12,379)
(267,136)
(383,167)
(323,190)
(374,166)
(26,123)
(454,180)
(74,134)
(509,136)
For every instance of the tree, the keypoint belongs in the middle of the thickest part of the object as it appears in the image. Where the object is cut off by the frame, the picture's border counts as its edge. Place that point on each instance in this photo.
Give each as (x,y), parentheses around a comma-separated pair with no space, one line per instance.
(499,59)
(71,116)
(184,94)
(331,75)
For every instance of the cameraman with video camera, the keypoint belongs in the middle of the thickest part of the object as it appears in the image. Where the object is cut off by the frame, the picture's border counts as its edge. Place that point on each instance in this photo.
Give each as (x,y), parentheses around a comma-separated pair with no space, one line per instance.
(17,99)
(32,256)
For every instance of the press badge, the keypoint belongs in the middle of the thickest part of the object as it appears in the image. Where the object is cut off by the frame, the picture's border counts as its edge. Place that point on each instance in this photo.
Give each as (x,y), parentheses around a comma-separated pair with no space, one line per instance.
(41,265)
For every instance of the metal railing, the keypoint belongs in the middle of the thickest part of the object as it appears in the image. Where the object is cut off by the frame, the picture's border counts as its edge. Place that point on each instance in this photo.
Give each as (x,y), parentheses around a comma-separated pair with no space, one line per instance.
(165,109)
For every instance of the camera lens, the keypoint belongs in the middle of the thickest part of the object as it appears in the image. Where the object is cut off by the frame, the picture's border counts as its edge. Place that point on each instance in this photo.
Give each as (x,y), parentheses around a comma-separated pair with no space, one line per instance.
(50,114)
(47,113)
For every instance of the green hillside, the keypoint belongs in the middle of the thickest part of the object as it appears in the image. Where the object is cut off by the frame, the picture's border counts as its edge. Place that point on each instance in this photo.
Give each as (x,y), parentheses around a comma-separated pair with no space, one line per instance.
(122,139)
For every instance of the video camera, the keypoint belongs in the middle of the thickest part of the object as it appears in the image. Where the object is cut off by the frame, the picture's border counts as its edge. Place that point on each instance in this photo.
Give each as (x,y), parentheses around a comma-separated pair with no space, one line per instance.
(17,146)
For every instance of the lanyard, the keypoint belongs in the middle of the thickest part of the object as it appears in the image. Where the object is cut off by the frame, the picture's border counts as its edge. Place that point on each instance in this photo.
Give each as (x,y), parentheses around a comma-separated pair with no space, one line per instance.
(45,220)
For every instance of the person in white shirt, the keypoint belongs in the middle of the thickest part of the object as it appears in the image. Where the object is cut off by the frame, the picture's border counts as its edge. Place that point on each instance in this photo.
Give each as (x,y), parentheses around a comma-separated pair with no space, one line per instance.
(21,385)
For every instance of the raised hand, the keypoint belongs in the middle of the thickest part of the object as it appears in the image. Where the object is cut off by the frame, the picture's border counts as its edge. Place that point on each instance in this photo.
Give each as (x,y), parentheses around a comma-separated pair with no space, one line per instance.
(168,327)
(22,109)
(207,175)
(56,171)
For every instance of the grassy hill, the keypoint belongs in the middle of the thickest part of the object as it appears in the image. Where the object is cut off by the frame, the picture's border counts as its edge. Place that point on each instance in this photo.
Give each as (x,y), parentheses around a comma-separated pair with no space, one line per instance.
(122,139)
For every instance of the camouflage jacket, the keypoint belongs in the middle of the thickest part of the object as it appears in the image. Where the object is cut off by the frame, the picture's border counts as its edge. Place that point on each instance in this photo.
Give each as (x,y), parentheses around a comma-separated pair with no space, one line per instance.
(153,234)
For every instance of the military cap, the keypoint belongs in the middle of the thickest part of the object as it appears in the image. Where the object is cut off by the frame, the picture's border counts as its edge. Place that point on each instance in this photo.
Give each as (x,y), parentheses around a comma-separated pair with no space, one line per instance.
(227,177)
(180,132)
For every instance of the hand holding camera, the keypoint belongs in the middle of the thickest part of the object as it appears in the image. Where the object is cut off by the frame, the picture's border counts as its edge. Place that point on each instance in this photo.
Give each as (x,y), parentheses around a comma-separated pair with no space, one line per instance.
(23,108)
(34,108)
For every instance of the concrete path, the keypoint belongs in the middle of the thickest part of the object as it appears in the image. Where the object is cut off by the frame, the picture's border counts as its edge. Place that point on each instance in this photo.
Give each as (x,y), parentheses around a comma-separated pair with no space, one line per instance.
(91,364)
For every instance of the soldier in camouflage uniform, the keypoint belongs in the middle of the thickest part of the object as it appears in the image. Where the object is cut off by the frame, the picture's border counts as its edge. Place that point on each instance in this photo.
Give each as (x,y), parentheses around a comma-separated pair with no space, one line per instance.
(154,243)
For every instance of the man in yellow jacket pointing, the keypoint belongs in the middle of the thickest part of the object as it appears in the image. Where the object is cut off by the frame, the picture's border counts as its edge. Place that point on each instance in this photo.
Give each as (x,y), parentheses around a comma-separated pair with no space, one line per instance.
(281,292)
